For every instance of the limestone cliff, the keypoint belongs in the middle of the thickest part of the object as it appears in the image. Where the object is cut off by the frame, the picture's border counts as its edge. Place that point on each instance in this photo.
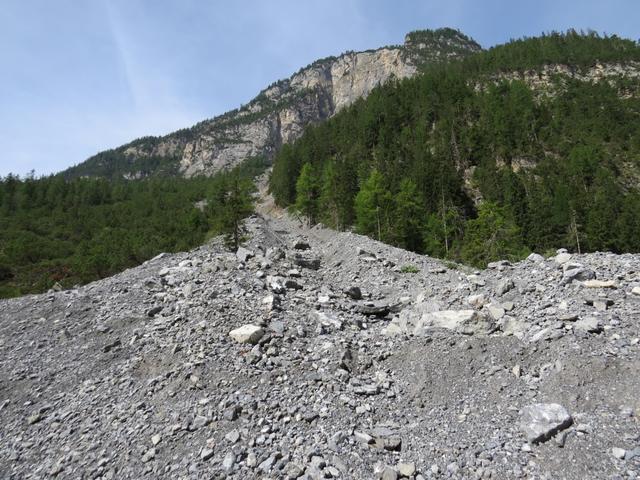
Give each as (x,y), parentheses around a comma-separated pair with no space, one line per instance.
(279,113)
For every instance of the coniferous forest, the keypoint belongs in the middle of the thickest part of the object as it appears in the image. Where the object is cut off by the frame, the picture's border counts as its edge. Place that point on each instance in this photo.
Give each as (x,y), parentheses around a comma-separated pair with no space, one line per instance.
(56,230)
(472,162)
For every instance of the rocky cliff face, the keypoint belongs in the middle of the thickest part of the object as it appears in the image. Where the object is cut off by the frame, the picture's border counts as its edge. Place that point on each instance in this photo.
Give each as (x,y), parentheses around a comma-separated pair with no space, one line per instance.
(280,113)
(285,109)
(544,81)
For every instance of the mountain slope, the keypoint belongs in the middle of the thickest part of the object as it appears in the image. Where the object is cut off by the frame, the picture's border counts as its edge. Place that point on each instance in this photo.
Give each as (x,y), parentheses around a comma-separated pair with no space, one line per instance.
(544,132)
(136,376)
(279,113)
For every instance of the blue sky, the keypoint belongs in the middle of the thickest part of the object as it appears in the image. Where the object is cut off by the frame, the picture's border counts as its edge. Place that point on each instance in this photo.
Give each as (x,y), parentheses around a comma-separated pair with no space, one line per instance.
(80,76)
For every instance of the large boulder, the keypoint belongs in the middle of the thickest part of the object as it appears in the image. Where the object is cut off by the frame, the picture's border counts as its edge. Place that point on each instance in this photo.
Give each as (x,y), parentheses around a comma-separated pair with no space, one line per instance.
(420,319)
(541,421)
(468,322)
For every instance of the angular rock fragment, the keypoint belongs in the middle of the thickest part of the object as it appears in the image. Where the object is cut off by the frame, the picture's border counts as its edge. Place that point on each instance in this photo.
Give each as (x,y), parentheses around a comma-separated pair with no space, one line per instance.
(362,437)
(407,469)
(388,474)
(618,452)
(477,301)
(589,325)
(535,258)
(577,272)
(244,254)
(541,421)
(152,312)
(499,265)
(206,454)
(562,258)
(504,286)
(468,322)
(309,263)
(377,310)
(247,334)
(229,461)
(599,284)
(495,311)
(354,293)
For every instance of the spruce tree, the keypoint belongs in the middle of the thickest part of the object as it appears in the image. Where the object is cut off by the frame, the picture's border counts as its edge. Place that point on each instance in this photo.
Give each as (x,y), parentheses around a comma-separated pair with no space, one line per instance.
(329,201)
(307,194)
(409,216)
(237,204)
(492,236)
(373,204)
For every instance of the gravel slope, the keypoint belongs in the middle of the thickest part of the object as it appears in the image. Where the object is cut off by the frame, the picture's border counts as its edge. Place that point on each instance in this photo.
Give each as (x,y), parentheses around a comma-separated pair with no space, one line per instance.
(136,376)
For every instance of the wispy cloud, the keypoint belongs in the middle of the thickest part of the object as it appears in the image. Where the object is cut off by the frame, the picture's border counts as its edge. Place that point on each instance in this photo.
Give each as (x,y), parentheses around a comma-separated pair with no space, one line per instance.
(124,59)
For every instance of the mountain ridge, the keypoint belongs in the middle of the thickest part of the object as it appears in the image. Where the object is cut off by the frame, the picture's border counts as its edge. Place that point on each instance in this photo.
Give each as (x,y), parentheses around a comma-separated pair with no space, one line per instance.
(279,113)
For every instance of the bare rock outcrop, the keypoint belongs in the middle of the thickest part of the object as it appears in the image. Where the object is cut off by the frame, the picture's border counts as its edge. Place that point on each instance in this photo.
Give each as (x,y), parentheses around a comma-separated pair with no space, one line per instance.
(279,114)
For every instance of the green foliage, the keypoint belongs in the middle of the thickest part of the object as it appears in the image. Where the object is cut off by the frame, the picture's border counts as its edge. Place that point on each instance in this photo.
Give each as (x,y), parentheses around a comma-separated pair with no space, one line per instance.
(492,236)
(307,193)
(408,217)
(116,164)
(409,269)
(374,207)
(408,163)
(79,230)
(230,202)
(428,47)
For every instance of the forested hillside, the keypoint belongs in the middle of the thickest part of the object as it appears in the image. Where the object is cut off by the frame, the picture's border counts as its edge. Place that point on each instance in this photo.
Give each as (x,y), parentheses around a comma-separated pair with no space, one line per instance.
(54,230)
(485,158)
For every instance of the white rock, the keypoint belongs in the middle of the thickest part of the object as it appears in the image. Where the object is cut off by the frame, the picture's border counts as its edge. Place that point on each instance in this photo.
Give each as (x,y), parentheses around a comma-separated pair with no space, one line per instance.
(206,453)
(536,258)
(600,284)
(618,452)
(636,291)
(247,334)
(541,421)
(271,302)
(243,254)
(588,324)
(468,322)
(517,371)
(495,310)
(229,461)
(562,258)
(406,469)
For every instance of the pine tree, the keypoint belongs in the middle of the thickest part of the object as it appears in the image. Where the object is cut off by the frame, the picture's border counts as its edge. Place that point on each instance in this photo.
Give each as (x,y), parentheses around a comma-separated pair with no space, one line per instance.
(492,236)
(237,204)
(307,194)
(373,206)
(442,232)
(409,216)
(329,204)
